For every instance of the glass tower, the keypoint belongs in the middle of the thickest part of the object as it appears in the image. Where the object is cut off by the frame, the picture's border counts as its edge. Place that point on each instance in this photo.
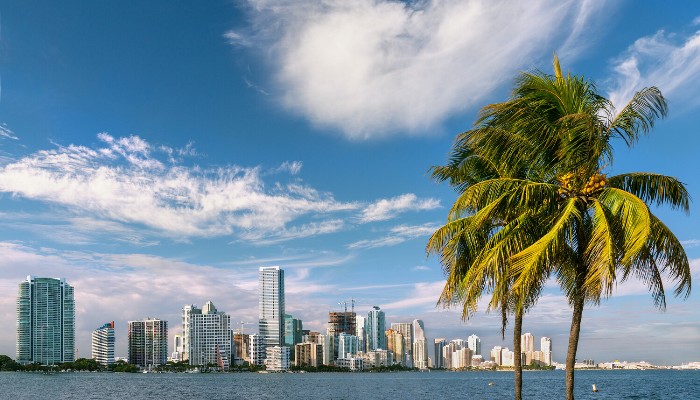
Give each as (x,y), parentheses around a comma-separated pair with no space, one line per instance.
(45,321)
(376,328)
(271,306)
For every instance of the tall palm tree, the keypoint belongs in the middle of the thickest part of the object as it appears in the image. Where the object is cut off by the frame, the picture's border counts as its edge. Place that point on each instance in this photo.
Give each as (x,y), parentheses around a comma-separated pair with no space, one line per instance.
(568,220)
(468,246)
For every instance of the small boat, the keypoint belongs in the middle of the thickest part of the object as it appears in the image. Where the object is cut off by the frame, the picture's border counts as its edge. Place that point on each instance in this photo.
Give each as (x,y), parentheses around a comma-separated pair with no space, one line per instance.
(595,389)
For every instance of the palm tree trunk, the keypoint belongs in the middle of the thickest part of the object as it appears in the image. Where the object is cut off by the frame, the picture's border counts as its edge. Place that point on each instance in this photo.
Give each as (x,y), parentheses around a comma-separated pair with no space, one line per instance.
(573,345)
(517,354)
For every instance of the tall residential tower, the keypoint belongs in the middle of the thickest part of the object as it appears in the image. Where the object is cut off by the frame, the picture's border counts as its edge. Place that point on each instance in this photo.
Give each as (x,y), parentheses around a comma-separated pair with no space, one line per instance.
(103,344)
(45,321)
(271,306)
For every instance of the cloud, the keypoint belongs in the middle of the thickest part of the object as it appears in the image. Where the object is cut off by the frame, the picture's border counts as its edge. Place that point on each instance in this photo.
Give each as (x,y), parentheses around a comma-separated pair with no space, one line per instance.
(397,235)
(5,132)
(691,243)
(668,61)
(375,68)
(124,181)
(384,209)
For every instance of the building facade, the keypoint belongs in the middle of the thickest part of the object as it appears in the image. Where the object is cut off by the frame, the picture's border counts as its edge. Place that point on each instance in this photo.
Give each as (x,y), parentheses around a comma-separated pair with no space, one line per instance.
(148,342)
(277,358)
(439,344)
(376,329)
(257,349)
(271,305)
(474,344)
(103,344)
(45,321)
(206,336)
(546,349)
(420,345)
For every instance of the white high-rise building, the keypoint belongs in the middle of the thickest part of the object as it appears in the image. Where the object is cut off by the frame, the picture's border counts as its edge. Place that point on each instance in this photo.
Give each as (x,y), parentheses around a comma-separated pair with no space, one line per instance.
(178,349)
(45,321)
(420,346)
(206,335)
(527,343)
(361,327)
(277,358)
(406,331)
(257,350)
(103,344)
(376,328)
(271,305)
(546,349)
(474,344)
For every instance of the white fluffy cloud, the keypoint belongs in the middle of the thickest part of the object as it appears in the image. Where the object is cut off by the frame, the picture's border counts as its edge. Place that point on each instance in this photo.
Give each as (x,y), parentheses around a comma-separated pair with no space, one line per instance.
(668,61)
(372,68)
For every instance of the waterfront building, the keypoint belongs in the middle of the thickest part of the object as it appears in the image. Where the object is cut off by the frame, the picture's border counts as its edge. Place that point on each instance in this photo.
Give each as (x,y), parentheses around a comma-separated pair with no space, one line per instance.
(474,344)
(292,331)
(527,343)
(103,344)
(406,330)
(377,358)
(206,335)
(257,349)
(420,346)
(376,328)
(148,342)
(45,321)
(546,349)
(347,345)
(439,344)
(496,355)
(461,358)
(351,363)
(361,327)
(308,355)
(178,349)
(240,348)
(277,358)
(271,305)
(395,344)
(507,358)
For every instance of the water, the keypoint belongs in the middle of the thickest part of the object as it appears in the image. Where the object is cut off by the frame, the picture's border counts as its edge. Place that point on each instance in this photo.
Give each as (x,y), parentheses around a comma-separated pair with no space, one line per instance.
(651,384)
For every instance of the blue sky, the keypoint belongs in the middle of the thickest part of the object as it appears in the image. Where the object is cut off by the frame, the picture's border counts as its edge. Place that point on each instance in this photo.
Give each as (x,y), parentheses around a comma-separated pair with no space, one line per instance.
(157,153)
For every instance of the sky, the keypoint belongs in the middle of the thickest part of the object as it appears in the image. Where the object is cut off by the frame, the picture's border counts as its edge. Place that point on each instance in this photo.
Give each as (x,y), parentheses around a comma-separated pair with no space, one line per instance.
(156,154)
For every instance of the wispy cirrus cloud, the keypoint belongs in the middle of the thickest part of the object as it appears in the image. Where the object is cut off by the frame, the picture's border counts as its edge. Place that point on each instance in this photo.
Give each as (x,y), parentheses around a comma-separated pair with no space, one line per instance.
(397,235)
(5,132)
(669,61)
(385,209)
(376,68)
(128,184)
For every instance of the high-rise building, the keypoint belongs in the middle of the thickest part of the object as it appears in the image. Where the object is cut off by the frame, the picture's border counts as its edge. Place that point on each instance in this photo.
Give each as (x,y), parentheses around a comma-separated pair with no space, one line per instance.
(420,345)
(148,342)
(292,331)
(342,322)
(376,328)
(474,344)
(546,349)
(271,305)
(527,343)
(361,328)
(103,344)
(277,358)
(178,349)
(257,349)
(45,321)
(241,348)
(206,335)
(439,344)
(406,330)
(347,345)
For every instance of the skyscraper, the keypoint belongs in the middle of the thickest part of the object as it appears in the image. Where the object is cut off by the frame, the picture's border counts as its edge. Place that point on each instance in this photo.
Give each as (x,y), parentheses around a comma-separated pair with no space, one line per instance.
(148,342)
(420,345)
(45,321)
(438,357)
(271,306)
(361,327)
(406,330)
(376,328)
(546,349)
(527,343)
(206,335)
(103,344)
(474,344)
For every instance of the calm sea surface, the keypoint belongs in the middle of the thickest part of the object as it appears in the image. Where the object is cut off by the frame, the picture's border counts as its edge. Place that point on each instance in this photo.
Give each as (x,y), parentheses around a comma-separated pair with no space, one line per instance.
(339,386)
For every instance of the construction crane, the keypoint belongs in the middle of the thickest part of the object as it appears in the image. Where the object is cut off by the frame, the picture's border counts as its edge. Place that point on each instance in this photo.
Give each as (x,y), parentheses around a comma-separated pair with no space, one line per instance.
(240,330)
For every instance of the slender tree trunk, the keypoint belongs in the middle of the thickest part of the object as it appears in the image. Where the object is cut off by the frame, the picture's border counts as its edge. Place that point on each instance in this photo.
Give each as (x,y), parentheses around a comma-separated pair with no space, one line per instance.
(573,345)
(517,354)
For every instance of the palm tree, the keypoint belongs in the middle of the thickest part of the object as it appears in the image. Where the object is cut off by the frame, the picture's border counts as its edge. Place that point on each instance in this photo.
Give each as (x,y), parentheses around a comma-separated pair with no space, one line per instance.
(565,217)
(468,245)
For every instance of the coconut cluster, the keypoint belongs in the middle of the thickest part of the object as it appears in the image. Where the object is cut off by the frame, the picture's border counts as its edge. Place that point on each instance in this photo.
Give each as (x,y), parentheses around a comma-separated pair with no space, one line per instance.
(571,182)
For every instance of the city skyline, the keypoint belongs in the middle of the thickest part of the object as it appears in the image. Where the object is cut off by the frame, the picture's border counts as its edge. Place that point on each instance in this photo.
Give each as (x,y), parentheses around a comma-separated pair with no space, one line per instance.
(156,154)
